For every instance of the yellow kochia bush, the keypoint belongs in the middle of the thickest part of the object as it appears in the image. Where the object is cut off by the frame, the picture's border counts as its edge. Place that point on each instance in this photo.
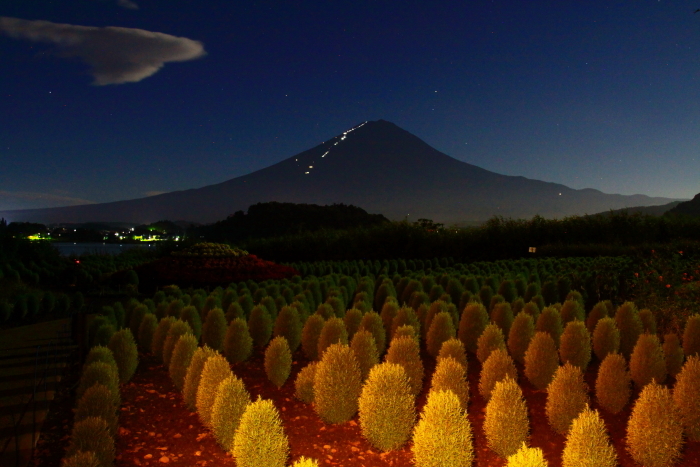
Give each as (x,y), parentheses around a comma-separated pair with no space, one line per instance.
(588,443)
(527,457)
(260,440)
(567,397)
(685,395)
(541,360)
(337,384)
(450,375)
(506,424)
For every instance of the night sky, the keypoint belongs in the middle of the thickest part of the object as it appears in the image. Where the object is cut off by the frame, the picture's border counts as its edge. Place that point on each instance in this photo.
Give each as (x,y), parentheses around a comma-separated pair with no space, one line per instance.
(103,100)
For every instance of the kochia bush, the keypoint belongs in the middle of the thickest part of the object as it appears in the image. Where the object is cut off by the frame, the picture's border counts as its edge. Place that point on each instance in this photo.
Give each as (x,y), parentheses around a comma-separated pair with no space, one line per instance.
(455,349)
(278,361)
(612,386)
(588,443)
(230,403)
(372,322)
(691,336)
(181,358)
(333,332)
(541,360)
(502,316)
(260,440)
(685,395)
(288,325)
(238,345)
(125,353)
(647,362)
(575,345)
(550,322)
(441,330)
(97,401)
(214,329)
(630,326)
(490,340)
(520,335)
(337,384)
(260,326)
(160,335)
(92,435)
(405,352)
(567,397)
(606,338)
(527,457)
(472,323)
(178,328)
(365,351)
(506,424)
(194,374)
(673,353)
(215,370)
(304,383)
(310,334)
(497,367)
(450,375)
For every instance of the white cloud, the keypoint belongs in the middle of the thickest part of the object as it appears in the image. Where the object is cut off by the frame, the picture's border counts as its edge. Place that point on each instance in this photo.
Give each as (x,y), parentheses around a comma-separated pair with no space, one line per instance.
(127,4)
(117,55)
(30,200)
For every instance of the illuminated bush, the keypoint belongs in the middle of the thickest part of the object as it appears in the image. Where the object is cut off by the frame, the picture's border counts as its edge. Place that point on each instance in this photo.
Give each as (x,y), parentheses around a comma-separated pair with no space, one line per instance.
(527,457)
(372,322)
(612,386)
(337,384)
(234,311)
(148,326)
(572,310)
(310,335)
(100,373)
(238,345)
(490,340)
(365,351)
(81,459)
(305,462)
(405,352)
(648,320)
(502,316)
(630,326)
(685,395)
(386,407)
(191,316)
(338,306)
(575,345)
(288,325)
(443,435)
(647,361)
(520,335)
(214,329)
(92,434)
(532,309)
(333,332)
(655,430)
(230,403)
(194,374)
(436,307)
(215,370)
(260,326)
(506,424)
(673,353)
(567,397)
(450,375)
(441,330)
(159,336)
(326,311)
(126,355)
(497,367)
(388,313)
(691,336)
(100,354)
(278,361)
(304,383)
(180,359)
(260,440)
(541,360)
(97,401)
(588,443)
(549,321)
(352,320)
(405,315)
(599,311)
(407,331)
(177,329)
(453,348)
(606,338)
(495,300)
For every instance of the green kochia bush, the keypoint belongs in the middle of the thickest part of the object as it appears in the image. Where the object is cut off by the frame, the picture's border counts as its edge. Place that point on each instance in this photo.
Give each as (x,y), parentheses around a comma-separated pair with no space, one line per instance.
(654,430)
(365,351)
(575,345)
(278,361)
(647,361)
(685,395)
(98,401)
(181,358)
(567,397)
(541,360)
(520,335)
(572,310)
(606,338)
(455,349)
(387,407)
(441,330)
(405,352)
(304,383)
(450,375)
(497,367)
(288,325)
(630,326)
(260,440)
(337,384)
(214,329)
(474,320)
(333,332)
(691,336)
(216,369)
(588,443)
(100,373)
(549,321)
(194,374)
(92,435)
(148,326)
(260,326)
(177,329)
(502,315)
(673,353)
(612,386)
(490,340)
(190,315)
(443,435)
(229,405)
(405,315)
(599,311)
(160,335)
(238,345)
(372,322)
(352,320)
(100,354)
(126,355)
(527,457)
(506,424)
(310,335)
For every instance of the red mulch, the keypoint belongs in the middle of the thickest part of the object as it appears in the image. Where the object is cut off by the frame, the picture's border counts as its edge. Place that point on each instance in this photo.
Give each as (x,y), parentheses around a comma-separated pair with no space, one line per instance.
(157,429)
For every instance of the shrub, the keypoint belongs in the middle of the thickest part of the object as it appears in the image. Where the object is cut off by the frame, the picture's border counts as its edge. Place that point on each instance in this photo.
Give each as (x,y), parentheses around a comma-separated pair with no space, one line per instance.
(441,330)
(160,335)
(100,373)
(103,334)
(326,311)
(527,457)
(532,309)
(191,316)
(194,374)
(606,338)
(685,395)
(337,384)
(386,406)
(612,386)
(260,440)
(269,303)
(405,315)
(125,354)
(506,424)
(648,320)
(472,323)
(588,443)
(520,335)
(234,311)
(655,430)
(388,313)
(443,435)
(450,375)
(215,370)
(453,348)
(352,320)
(92,434)
(407,331)
(541,360)
(278,361)
(572,310)
(177,329)
(502,316)
(599,311)
(260,326)
(567,396)
(148,326)
(333,332)
(490,340)
(305,462)
(647,361)
(230,403)
(497,367)
(372,322)
(175,308)
(691,336)
(575,345)
(288,325)
(630,326)
(550,322)
(673,353)
(137,314)
(180,359)
(81,459)
(310,335)
(238,345)
(405,352)
(100,354)
(97,401)
(214,329)
(365,351)
(304,383)
(436,307)
(96,323)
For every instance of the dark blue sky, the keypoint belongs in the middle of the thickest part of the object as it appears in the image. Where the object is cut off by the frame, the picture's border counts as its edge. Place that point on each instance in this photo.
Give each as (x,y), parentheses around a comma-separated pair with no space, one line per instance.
(597,94)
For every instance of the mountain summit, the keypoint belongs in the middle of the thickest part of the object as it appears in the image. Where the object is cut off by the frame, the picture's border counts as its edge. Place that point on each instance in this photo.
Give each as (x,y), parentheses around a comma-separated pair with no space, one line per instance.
(375,165)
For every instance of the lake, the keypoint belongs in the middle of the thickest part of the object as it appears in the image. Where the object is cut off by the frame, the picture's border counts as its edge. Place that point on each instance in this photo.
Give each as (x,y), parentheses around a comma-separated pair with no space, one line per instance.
(67,249)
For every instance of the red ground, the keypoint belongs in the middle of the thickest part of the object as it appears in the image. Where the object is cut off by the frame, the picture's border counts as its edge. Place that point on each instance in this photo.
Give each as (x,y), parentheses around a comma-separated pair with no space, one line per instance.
(157,429)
